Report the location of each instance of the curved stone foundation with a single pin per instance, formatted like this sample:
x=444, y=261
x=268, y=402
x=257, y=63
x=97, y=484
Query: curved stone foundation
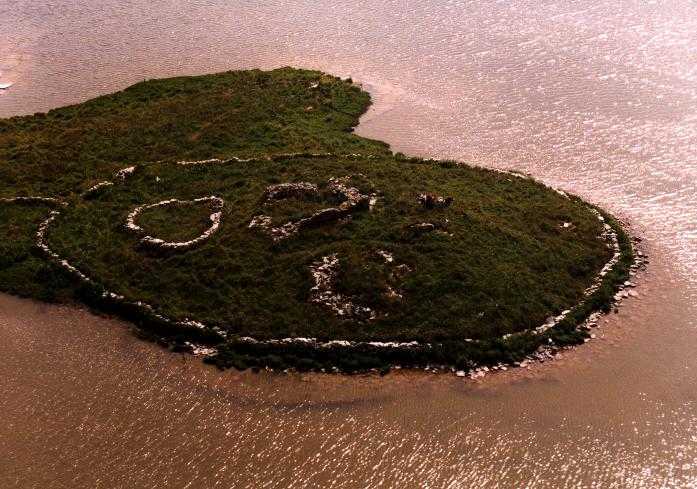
x=217, y=206
x=351, y=200
x=322, y=270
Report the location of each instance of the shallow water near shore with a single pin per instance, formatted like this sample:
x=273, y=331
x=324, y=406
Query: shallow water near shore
x=598, y=98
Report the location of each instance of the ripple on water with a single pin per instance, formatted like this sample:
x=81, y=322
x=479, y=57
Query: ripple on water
x=597, y=97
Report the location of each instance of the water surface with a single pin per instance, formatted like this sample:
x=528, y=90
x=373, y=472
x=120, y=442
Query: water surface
x=596, y=97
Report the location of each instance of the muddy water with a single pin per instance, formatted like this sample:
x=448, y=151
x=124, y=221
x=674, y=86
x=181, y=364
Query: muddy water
x=596, y=97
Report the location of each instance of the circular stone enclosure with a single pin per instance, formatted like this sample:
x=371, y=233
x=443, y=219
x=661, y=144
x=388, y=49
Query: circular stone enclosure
x=171, y=222
x=503, y=256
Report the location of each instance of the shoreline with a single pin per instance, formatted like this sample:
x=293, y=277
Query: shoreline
x=567, y=328
x=147, y=320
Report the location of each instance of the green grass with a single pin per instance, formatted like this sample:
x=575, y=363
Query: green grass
x=501, y=265
x=243, y=113
x=23, y=271
x=191, y=221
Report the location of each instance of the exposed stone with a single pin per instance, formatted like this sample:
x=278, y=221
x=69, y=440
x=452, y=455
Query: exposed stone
x=423, y=227
x=350, y=198
x=125, y=172
x=385, y=255
x=432, y=201
x=300, y=190
x=216, y=204
x=541, y=354
x=94, y=189
x=324, y=273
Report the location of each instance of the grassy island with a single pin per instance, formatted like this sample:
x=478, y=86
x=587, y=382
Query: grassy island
x=236, y=215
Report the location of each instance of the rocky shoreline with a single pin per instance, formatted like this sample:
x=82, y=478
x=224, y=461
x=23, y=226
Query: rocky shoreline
x=547, y=353
x=353, y=199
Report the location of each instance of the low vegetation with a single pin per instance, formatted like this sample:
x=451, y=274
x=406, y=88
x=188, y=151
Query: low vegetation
x=468, y=280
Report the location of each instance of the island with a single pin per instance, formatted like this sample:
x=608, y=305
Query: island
x=237, y=216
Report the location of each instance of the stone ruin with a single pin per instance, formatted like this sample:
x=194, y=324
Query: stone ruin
x=216, y=204
x=430, y=200
x=351, y=199
x=282, y=191
x=325, y=273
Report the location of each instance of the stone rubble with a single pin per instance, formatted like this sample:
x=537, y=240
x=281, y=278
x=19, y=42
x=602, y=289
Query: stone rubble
x=96, y=188
x=35, y=200
x=300, y=190
x=432, y=201
x=216, y=204
x=125, y=172
x=260, y=221
x=324, y=269
x=199, y=350
x=350, y=197
x=275, y=157
x=324, y=273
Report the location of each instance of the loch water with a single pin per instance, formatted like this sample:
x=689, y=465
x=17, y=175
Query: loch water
x=598, y=98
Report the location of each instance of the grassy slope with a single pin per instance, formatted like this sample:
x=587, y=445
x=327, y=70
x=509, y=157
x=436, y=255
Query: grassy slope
x=235, y=113
x=245, y=113
x=507, y=267
x=191, y=221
